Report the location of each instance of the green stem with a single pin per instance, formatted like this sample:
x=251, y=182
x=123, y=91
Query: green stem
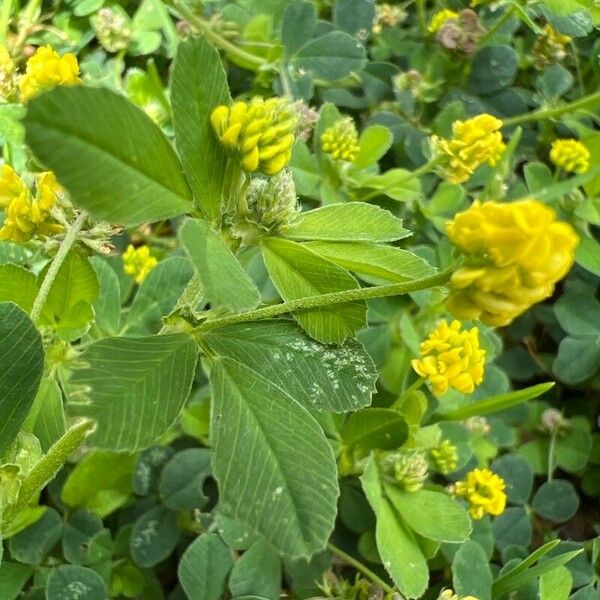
x=57, y=261
x=497, y=25
x=29, y=16
x=367, y=293
x=4, y=19
x=362, y=568
x=422, y=16
x=549, y=113
x=551, y=455
x=201, y=25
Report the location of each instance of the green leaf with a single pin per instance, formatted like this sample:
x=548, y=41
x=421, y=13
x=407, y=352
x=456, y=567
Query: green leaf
x=158, y=295
x=556, y=584
x=21, y=366
x=183, y=477
x=100, y=482
x=298, y=25
x=80, y=528
x=16, y=254
x=17, y=285
x=331, y=57
x=451, y=523
x=471, y=574
x=148, y=469
x=204, y=567
x=375, y=428
x=198, y=85
x=496, y=403
x=374, y=142
x=353, y=16
x=556, y=501
x=107, y=306
x=31, y=545
x=258, y=433
x=398, y=184
x=401, y=555
x=113, y=159
x=380, y=262
x=494, y=68
x=135, y=387
x=349, y=222
x=13, y=577
x=299, y=273
x=225, y=284
x=257, y=573
x=517, y=475
x=512, y=528
x=573, y=447
x=577, y=359
x=578, y=313
x=68, y=307
x=587, y=254
x=70, y=582
x=154, y=536
x=336, y=378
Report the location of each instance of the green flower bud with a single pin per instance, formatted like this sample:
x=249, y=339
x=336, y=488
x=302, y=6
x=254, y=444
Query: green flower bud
x=272, y=203
x=112, y=27
x=445, y=457
x=341, y=140
x=409, y=469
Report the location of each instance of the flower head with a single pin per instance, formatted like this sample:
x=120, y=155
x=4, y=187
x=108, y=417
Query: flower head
x=387, y=16
x=445, y=457
x=261, y=131
x=26, y=216
x=45, y=70
x=409, y=469
x=570, y=155
x=138, y=262
x=448, y=594
x=7, y=74
x=484, y=491
x=440, y=18
x=550, y=47
x=514, y=255
x=474, y=142
x=341, y=140
x=451, y=357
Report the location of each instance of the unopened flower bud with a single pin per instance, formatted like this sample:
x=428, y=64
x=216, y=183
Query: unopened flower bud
x=553, y=420
x=445, y=457
x=113, y=28
x=408, y=469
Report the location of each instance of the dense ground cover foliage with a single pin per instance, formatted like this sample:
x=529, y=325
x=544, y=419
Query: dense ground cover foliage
x=299, y=298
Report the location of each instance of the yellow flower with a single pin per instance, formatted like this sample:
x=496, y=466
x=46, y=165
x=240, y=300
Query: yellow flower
x=261, y=131
x=439, y=18
x=474, y=142
x=137, y=262
x=570, y=155
x=45, y=70
x=448, y=594
x=7, y=73
x=25, y=216
x=484, y=491
x=451, y=357
x=341, y=140
x=514, y=255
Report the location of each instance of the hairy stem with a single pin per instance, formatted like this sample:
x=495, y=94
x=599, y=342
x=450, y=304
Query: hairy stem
x=367, y=293
x=549, y=113
x=360, y=567
x=4, y=19
x=57, y=261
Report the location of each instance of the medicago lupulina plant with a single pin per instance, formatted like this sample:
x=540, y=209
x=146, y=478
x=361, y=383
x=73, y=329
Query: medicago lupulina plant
x=234, y=369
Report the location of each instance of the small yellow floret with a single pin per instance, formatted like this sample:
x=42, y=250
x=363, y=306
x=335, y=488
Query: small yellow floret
x=261, y=131
x=484, y=491
x=514, y=255
x=474, y=142
x=26, y=216
x=341, y=140
x=138, y=262
x=451, y=357
x=439, y=18
x=570, y=155
x=45, y=70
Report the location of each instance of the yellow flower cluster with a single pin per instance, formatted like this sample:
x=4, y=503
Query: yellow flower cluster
x=514, y=255
x=474, y=142
x=261, y=131
x=7, y=74
x=138, y=262
x=45, y=70
x=484, y=491
x=451, y=357
x=570, y=155
x=448, y=594
x=26, y=216
x=341, y=140
x=439, y=18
